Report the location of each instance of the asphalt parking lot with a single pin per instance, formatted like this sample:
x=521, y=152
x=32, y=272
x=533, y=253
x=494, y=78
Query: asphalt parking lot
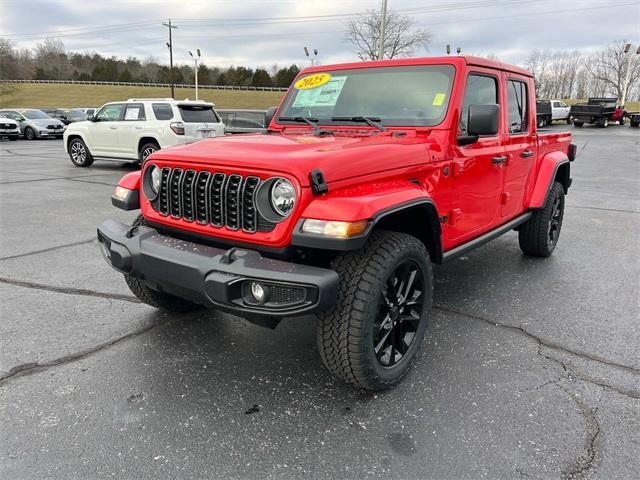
x=531, y=368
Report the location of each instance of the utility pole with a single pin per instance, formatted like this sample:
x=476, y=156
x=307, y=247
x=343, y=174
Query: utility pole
x=625, y=85
x=195, y=59
x=170, y=45
x=314, y=59
x=383, y=28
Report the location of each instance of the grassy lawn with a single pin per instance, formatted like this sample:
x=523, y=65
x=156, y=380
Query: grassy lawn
x=69, y=96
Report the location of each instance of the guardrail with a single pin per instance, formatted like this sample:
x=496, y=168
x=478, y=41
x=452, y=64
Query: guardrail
x=161, y=85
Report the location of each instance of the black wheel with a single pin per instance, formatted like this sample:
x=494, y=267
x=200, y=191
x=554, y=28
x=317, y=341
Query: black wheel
x=634, y=124
x=154, y=298
x=79, y=153
x=604, y=123
x=29, y=133
x=540, y=122
x=539, y=235
x=146, y=150
x=569, y=119
x=373, y=333
x=621, y=121
x=578, y=124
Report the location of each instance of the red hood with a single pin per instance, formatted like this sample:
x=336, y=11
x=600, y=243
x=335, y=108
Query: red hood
x=339, y=157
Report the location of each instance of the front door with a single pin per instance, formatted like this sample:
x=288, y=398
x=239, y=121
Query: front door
x=104, y=132
x=520, y=146
x=131, y=128
x=478, y=167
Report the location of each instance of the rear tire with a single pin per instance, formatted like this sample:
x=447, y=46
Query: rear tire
x=634, y=124
x=621, y=121
x=540, y=122
x=539, y=235
x=154, y=298
x=578, y=124
x=146, y=150
x=29, y=133
x=79, y=154
x=376, y=329
x=604, y=123
x=569, y=119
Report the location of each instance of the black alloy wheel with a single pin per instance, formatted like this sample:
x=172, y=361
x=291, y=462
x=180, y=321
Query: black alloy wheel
x=399, y=313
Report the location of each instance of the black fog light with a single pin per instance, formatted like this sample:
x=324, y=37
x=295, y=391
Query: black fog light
x=259, y=292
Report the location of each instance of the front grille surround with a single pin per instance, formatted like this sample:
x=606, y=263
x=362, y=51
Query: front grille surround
x=211, y=198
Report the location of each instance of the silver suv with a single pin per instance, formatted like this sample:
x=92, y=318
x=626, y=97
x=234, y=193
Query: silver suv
x=35, y=123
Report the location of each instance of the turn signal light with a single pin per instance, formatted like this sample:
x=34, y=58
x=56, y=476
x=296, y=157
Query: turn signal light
x=334, y=229
x=121, y=193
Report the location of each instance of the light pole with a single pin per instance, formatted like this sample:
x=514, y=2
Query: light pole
x=383, y=28
x=195, y=60
x=314, y=59
x=625, y=85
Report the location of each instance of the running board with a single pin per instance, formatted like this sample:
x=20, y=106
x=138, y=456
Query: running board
x=487, y=237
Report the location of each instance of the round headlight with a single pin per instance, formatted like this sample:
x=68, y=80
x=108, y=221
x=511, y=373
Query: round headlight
x=283, y=196
x=156, y=178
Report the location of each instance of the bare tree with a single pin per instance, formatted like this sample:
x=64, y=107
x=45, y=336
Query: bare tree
x=609, y=67
x=402, y=39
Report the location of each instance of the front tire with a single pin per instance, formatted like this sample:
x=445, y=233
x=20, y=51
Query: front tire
x=374, y=332
x=29, y=133
x=79, y=154
x=539, y=235
x=604, y=123
x=154, y=298
x=578, y=124
x=569, y=119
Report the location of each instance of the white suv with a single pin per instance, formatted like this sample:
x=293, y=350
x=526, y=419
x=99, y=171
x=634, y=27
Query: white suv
x=134, y=129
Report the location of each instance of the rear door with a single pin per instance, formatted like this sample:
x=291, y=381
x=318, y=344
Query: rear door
x=520, y=146
x=104, y=132
x=200, y=121
x=477, y=168
x=131, y=127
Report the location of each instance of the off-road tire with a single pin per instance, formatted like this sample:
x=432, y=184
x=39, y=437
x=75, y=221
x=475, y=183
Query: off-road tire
x=578, y=124
x=79, y=153
x=345, y=333
x=534, y=234
x=154, y=298
x=604, y=123
x=29, y=133
x=143, y=153
x=634, y=124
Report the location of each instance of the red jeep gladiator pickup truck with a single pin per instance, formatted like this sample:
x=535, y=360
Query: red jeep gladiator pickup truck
x=369, y=173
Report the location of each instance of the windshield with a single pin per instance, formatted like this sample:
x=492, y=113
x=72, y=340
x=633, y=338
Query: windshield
x=76, y=114
x=403, y=96
x=35, y=115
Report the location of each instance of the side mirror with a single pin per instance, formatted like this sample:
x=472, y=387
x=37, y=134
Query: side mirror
x=483, y=119
x=269, y=116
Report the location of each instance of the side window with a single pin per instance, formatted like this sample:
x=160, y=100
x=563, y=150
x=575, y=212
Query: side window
x=13, y=115
x=134, y=111
x=557, y=105
x=110, y=113
x=517, y=103
x=480, y=90
x=162, y=111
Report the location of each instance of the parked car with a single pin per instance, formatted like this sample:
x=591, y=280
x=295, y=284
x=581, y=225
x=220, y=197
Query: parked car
x=548, y=111
x=598, y=111
x=66, y=116
x=9, y=128
x=35, y=123
x=243, y=121
x=343, y=208
x=88, y=111
x=634, y=119
x=134, y=129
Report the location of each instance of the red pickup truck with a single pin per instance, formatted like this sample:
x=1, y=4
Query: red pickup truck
x=369, y=173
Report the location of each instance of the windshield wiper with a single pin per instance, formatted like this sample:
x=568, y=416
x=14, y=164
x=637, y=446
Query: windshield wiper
x=371, y=121
x=309, y=121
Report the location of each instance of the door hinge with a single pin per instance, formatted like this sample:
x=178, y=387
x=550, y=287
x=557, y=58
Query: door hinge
x=504, y=198
x=454, y=216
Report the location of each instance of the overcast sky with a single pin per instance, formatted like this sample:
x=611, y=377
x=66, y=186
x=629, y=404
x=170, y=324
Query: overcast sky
x=265, y=32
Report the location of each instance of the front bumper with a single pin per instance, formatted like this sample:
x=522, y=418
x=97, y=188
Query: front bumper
x=215, y=277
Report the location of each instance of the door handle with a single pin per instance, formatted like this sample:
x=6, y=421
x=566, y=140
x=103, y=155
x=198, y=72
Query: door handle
x=498, y=160
x=113, y=127
x=526, y=154
x=138, y=128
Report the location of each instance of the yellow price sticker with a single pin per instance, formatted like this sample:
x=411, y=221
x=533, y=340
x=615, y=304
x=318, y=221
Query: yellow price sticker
x=312, y=81
x=438, y=100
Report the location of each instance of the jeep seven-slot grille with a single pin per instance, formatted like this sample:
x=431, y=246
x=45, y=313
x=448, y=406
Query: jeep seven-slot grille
x=211, y=198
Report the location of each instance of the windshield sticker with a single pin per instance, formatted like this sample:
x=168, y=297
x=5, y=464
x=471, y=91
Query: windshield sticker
x=324, y=96
x=438, y=100
x=312, y=81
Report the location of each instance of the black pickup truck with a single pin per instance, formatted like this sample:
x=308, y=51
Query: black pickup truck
x=543, y=112
x=597, y=111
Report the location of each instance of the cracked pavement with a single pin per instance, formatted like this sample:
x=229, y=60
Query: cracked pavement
x=531, y=367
